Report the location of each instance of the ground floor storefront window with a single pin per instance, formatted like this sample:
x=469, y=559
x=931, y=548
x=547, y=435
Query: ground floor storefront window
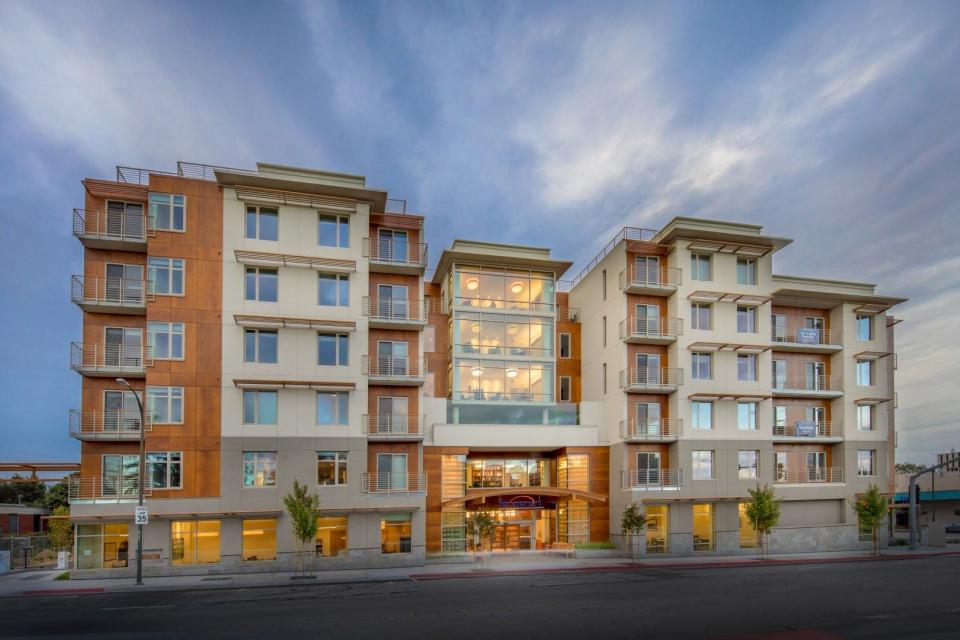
x=453, y=531
x=331, y=537
x=748, y=535
x=395, y=533
x=102, y=546
x=194, y=542
x=260, y=539
x=573, y=521
x=703, y=531
x=658, y=534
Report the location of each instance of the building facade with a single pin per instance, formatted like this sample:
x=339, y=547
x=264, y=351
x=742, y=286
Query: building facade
x=278, y=325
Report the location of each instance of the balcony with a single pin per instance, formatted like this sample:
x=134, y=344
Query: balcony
x=808, y=431
x=390, y=256
x=106, y=425
x=805, y=340
x=111, y=360
x=651, y=479
x=394, y=483
x=104, y=490
x=807, y=386
x=395, y=426
x=647, y=430
x=395, y=370
x=110, y=295
x=123, y=231
x=652, y=281
x=818, y=475
x=637, y=330
x=634, y=380
x=392, y=313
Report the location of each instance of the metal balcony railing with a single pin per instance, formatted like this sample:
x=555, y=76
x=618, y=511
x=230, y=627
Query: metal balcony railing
x=394, y=309
x=823, y=429
x=650, y=378
x=650, y=428
x=804, y=335
x=103, y=225
x=106, y=425
x=811, y=475
x=395, y=205
x=394, y=483
x=806, y=382
x=651, y=479
x=395, y=426
x=395, y=367
x=638, y=276
x=639, y=327
x=413, y=254
x=104, y=489
x=115, y=358
x=116, y=292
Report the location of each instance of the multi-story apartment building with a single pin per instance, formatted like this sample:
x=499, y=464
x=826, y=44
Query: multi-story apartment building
x=277, y=325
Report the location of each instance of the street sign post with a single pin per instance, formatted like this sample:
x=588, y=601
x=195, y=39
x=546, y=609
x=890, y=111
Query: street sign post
x=140, y=515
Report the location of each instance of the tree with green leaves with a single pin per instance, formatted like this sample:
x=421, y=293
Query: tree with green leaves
x=909, y=468
x=25, y=491
x=60, y=529
x=57, y=496
x=304, y=509
x=632, y=523
x=763, y=512
x=871, y=508
x=481, y=528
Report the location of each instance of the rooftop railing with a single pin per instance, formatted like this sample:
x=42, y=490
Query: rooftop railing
x=627, y=233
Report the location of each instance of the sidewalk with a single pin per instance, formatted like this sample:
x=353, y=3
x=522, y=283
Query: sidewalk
x=31, y=583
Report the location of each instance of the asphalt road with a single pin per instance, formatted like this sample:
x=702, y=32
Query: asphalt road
x=897, y=599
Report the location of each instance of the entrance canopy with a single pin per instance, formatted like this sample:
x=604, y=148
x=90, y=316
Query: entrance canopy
x=494, y=496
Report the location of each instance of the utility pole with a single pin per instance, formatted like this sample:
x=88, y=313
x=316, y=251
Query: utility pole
x=140, y=479
x=914, y=537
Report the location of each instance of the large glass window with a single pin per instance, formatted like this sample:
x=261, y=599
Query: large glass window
x=102, y=546
x=165, y=340
x=194, y=542
x=495, y=473
x=703, y=528
x=164, y=469
x=748, y=465
x=503, y=381
x=500, y=334
x=573, y=521
x=864, y=373
x=168, y=212
x=334, y=290
x=261, y=284
x=867, y=462
x=748, y=535
x=864, y=328
x=700, y=313
x=395, y=533
x=331, y=468
x=262, y=223
x=332, y=407
x=333, y=231
x=331, y=537
x=482, y=287
x=260, y=468
x=702, y=365
x=746, y=271
x=747, y=319
x=700, y=266
x=865, y=417
x=703, y=465
x=333, y=349
x=260, y=539
x=165, y=276
x=165, y=405
x=747, y=367
x=746, y=416
x=701, y=414
x=657, y=530
x=260, y=345
x=259, y=407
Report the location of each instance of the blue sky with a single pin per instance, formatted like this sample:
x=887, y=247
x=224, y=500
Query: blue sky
x=554, y=124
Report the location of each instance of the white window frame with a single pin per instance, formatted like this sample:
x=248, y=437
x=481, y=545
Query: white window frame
x=339, y=460
x=256, y=407
x=871, y=458
x=168, y=462
x=258, y=271
x=565, y=397
x=751, y=319
x=342, y=398
x=751, y=465
x=569, y=340
x=751, y=368
x=258, y=213
x=752, y=265
x=258, y=467
x=695, y=368
x=865, y=409
x=696, y=260
x=868, y=365
x=167, y=395
x=751, y=416
x=169, y=328
x=340, y=359
x=694, y=316
x=256, y=345
x=862, y=317
x=710, y=458
x=337, y=278
x=171, y=265
x=339, y=220
x=155, y=198
x=697, y=410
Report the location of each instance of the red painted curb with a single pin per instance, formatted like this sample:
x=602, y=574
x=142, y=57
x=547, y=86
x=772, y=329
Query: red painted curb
x=57, y=592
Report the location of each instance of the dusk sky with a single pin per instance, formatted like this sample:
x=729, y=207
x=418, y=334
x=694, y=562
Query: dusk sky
x=548, y=124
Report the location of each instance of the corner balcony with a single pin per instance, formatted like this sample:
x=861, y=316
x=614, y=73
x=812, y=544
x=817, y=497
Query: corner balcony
x=385, y=484
x=99, y=490
x=106, y=425
x=807, y=386
x=819, y=475
x=651, y=479
x=805, y=340
x=394, y=426
x=636, y=330
x=662, y=430
x=652, y=281
x=121, y=231
x=391, y=313
x=395, y=370
x=808, y=431
x=634, y=380
x=390, y=256
x=110, y=295
x=110, y=361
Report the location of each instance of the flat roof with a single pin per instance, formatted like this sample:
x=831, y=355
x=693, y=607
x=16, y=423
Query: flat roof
x=326, y=183
x=499, y=254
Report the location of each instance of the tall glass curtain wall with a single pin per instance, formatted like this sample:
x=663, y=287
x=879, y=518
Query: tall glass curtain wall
x=502, y=334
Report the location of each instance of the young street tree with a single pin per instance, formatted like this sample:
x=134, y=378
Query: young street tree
x=632, y=522
x=480, y=528
x=304, y=509
x=763, y=511
x=871, y=508
x=60, y=530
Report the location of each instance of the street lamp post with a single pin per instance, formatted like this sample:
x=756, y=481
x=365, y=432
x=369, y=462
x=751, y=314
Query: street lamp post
x=140, y=478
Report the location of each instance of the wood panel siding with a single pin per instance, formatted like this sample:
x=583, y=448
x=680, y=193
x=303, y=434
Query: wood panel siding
x=569, y=367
